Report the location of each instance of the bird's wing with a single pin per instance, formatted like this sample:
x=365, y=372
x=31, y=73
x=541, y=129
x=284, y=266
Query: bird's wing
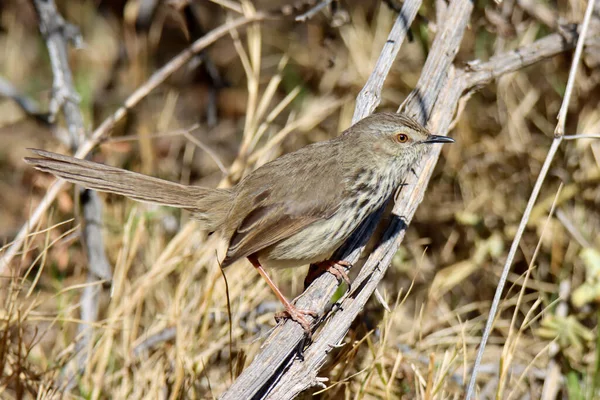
x=283, y=197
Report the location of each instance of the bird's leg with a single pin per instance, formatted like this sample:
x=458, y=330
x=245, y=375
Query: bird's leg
x=335, y=268
x=291, y=311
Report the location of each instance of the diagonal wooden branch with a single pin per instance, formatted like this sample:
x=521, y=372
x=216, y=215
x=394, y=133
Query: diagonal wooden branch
x=275, y=373
x=434, y=76
x=102, y=132
x=303, y=374
x=278, y=352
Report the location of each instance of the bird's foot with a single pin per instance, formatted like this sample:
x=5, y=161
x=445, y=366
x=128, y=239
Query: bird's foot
x=335, y=268
x=297, y=315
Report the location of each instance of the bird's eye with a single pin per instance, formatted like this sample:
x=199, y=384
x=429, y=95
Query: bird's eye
x=402, y=138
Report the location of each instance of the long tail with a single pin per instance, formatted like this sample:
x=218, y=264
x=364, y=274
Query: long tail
x=210, y=206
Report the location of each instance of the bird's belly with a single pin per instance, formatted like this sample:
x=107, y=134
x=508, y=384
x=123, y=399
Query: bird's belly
x=315, y=243
x=319, y=240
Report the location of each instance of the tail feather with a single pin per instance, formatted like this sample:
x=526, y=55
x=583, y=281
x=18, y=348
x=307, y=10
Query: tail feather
x=209, y=205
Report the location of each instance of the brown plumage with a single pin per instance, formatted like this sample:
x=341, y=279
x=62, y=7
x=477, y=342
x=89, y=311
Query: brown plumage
x=295, y=210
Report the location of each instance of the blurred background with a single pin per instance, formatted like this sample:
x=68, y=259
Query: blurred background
x=259, y=92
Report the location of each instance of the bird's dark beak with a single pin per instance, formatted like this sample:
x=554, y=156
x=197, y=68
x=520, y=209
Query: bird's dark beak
x=438, y=139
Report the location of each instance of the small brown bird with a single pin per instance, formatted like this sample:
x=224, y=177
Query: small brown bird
x=295, y=210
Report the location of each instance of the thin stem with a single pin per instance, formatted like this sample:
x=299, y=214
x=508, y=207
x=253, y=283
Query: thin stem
x=558, y=138
x=509, y=260
x=582, y=136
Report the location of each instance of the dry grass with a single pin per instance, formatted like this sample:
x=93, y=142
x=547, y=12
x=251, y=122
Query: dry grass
x=163, y=329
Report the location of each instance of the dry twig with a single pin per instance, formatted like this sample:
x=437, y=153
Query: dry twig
x=310, y=13
x=57, y=33
x=27, y=104
x=370, y=96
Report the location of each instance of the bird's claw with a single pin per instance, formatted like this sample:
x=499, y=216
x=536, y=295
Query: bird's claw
x=335, y=268
x=299, y=316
